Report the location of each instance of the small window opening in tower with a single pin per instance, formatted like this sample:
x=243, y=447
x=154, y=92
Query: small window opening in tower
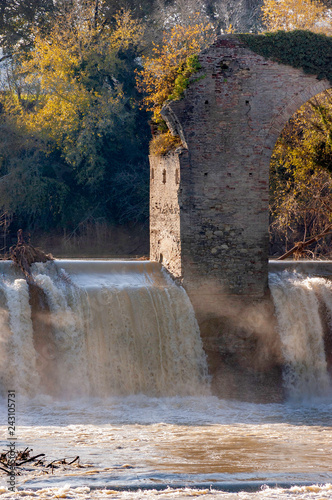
x=164, y=176
x=152, y=174
x=177, y=176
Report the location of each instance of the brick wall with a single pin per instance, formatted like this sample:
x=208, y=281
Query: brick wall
x=229, y=122
x=212, y=228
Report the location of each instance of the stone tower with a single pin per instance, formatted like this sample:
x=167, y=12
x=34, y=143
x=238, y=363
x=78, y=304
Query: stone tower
x=209, y=199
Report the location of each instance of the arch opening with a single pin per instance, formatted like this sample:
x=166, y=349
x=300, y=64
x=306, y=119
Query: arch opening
x=218, y=222
x=300, y=201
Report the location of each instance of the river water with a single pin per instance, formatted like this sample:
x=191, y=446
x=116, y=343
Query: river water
x=123, y=384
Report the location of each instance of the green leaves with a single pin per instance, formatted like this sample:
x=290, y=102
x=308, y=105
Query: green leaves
x=190, y=66
x=309, y=51
x=75, y=123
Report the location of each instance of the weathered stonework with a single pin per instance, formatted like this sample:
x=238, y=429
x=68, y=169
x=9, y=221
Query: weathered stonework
x=165, y=234
x=211, y=229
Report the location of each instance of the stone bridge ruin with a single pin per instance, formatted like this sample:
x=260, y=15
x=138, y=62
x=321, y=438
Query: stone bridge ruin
x=209, y=199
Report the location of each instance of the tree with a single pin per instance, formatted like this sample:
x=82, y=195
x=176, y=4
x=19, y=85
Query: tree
x=32, y=188
x=81, y=99
x=289, y=15
x=76, y=100
x=19, y=19
x=166, y=73
x=300, y=179
x=301, y=174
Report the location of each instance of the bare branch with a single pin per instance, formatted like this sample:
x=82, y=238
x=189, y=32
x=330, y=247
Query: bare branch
x=7, y=56
x=302, y=244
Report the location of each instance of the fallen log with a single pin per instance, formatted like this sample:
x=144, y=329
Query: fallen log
x=298, y=248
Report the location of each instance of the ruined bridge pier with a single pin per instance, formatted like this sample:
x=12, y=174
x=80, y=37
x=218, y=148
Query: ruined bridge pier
x=209, y=199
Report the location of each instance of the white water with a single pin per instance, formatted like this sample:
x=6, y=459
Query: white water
x=151, y=443
x=300, y=303
x=117, y=328
x=108, y=321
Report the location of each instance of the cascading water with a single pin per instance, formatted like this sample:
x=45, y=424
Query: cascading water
x=120, y=328
x=107, y=363
x=303, y=308
x=117, y=328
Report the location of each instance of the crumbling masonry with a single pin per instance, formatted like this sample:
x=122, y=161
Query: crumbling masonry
x=209, y=199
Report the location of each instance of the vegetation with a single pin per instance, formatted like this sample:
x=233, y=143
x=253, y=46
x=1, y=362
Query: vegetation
x=301, y=180
x=288, y=15
x=71, y=124
x=163, y=143
x=81, y=80
x=301, y=168
x=74, y=134
x=300, y=49
x=166, y=74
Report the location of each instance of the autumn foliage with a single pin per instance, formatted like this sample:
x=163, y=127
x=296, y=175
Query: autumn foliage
x=166, y=72
x=289, y=15
x=71, y=127
x=301, y=164
x=72, y=69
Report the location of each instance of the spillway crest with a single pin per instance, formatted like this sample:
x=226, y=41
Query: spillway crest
x=101, y=328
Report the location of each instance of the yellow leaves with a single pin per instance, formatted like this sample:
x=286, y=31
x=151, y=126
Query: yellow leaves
x=51, y=63
x=160, y=71
x=127, y=31
x=56, y=117
x=73, y=68
x=289, y=15
x=161, y=144
x=300, y=177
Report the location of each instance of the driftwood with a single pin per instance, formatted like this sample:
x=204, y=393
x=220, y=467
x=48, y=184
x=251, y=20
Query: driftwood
x=38, y=463
x=298, y=248
x=24, y=255
x=30, y=459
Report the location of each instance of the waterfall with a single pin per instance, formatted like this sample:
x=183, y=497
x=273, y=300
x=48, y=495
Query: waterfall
x=111, y=328
x=303, y=306
x=105, y=328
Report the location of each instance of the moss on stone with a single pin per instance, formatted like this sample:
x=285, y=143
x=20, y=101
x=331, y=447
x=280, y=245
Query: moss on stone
x=181, y=82
x=301, y=49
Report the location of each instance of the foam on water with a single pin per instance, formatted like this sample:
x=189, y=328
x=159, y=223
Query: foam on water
x=298, y=303
x=116, y=328
x=314, y=492
x=144, y=442
x=18, y=356
x=120, y=328
x=123, y=384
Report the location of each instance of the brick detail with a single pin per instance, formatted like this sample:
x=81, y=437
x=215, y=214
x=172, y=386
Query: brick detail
x=211, y=229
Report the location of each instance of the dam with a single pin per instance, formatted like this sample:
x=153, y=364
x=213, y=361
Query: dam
x=205, y=371
x=116, y=328
x=216, y=383
x=109, y=328
x=110, y=366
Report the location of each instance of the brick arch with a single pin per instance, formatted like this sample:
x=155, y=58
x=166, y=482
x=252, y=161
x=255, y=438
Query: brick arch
x=279, y=121
x=217, y=215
